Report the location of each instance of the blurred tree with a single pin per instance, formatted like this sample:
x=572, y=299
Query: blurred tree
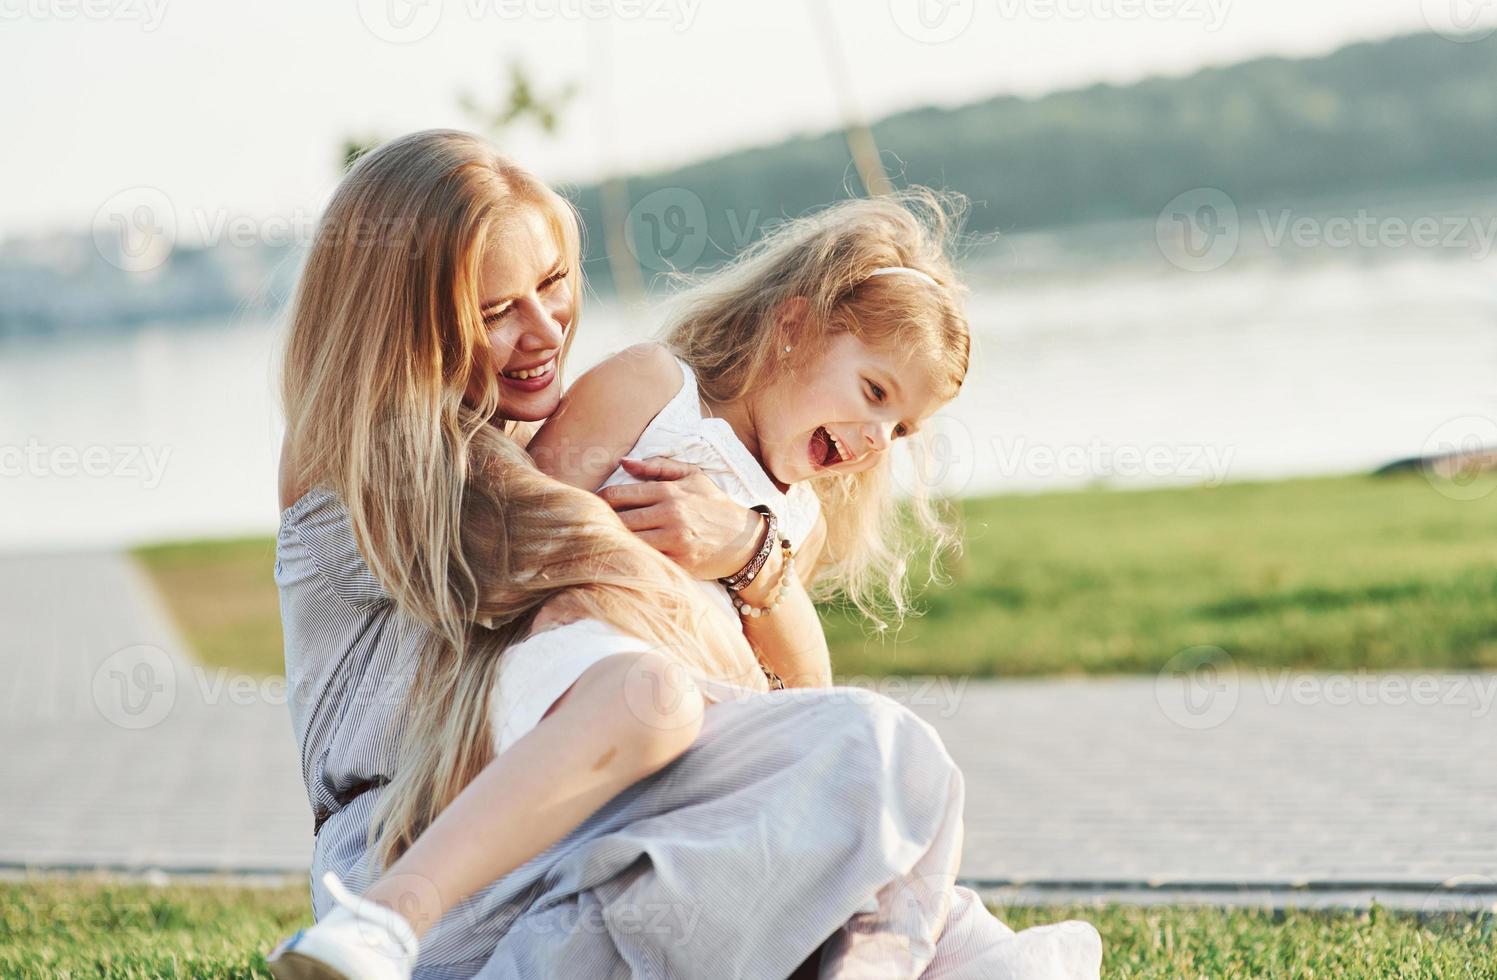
x=354, y=147
x=522, y=101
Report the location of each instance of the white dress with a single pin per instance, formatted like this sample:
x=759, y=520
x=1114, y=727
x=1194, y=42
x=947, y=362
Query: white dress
x=536, y=671
x=539, y=669
x=680, y=432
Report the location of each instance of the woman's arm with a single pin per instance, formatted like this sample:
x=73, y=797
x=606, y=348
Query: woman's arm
x=627, y=716
x=677, y=514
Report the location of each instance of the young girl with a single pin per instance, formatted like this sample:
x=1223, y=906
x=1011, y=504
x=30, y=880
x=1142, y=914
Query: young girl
x=786, y=381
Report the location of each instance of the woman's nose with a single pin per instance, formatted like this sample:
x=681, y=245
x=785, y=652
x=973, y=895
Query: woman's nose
x=539, y=329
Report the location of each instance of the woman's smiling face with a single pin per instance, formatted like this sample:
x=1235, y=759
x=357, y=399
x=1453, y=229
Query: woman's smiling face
x=841, y=412
x=528, y=302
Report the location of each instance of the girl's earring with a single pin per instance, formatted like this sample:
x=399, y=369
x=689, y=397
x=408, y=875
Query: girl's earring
x=787, y=348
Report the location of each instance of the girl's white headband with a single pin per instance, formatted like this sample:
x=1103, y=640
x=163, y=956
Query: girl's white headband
x=904, y=270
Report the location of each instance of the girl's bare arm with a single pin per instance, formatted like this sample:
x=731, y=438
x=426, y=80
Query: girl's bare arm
x=602, y=415
x=627, y=716
x=790, y=639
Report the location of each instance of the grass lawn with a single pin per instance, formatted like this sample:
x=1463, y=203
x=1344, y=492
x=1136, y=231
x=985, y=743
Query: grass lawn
x=1328, y=574
x=223, y=596
x=67, y=929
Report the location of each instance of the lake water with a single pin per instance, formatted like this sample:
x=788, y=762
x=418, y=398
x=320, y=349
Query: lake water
x=1098, y=360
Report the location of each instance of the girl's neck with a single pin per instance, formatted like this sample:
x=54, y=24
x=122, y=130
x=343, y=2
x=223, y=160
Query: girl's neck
x=740, y=419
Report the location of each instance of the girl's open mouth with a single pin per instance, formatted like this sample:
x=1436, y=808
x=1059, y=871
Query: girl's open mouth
x=532, y=378
x=825, y=450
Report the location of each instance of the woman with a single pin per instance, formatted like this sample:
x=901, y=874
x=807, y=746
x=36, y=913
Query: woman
x=437, y=305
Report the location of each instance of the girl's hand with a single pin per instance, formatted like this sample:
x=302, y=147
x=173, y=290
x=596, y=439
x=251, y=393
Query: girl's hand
x=683, y=515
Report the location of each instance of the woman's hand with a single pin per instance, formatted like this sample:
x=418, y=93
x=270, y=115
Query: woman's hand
x=682, y=514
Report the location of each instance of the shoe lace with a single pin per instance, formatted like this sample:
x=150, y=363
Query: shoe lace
x=391, y=922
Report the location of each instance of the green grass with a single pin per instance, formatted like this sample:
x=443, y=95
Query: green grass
x=72, y=929
x=223, y=596
x=1344, y=573
x=1325, y=574
x=67, y=929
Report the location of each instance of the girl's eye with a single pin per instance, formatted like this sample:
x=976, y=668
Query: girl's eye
x=876, y=392
x=901, y=430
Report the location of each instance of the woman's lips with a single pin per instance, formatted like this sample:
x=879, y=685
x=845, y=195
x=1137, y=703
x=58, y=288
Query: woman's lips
x=532, y=384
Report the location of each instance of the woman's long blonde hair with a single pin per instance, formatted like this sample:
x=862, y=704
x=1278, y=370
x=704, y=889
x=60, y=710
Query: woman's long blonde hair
x=386, y=350
x=529, y=538
x=728, y=327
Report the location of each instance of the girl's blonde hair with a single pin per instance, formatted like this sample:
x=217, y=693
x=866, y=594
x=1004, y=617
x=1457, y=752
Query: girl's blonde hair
x=730, y=329
x=390, y=403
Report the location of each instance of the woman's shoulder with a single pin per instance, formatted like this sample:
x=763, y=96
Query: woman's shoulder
x=316, y=548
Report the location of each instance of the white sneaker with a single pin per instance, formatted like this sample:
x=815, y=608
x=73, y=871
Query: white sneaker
x=357, y=940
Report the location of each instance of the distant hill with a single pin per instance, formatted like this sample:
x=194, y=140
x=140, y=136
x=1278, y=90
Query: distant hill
x=1413, y=111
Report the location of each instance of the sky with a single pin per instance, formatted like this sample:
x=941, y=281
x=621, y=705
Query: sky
x=238, y=110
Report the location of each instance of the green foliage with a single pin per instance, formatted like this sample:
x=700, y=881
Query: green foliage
x=521, y=101
x=1409, y=112
x=353, y=148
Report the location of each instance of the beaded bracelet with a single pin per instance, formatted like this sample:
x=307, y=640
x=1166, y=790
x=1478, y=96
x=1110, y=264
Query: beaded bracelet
x=787, y=576
x=745, y=576
x=775, y=683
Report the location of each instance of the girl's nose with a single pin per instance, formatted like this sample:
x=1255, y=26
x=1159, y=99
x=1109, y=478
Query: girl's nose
x=879, y=435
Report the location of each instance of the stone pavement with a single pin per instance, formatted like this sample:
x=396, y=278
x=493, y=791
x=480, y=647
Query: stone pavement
x=116, y=751
x=1226, y=787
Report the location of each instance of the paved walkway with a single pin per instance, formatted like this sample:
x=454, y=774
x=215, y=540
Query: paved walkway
x=116, y=750
x=1233, y=787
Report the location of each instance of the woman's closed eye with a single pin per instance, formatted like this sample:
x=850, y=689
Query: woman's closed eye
x=554, y=278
